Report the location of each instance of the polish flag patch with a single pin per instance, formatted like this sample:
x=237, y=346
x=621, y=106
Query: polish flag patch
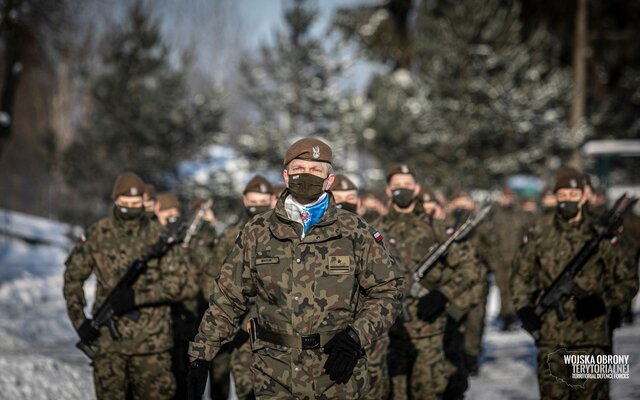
x=377, y=236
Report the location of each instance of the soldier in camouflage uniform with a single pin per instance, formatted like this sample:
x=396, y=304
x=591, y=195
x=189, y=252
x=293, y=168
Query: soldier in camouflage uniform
x=305, y=262
x=346, y=196
x=139, y=363
x=605, y=279
x=483, y=240
x=508, y=222
x=184, y=313
x=453, y=289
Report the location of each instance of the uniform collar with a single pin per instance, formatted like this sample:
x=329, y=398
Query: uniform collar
x=282, y=227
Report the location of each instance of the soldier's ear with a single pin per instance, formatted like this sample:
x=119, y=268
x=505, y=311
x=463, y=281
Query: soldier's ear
x=285, y=177
x=329, y=181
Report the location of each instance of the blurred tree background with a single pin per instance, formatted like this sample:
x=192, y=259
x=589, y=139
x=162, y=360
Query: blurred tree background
x=470, y=92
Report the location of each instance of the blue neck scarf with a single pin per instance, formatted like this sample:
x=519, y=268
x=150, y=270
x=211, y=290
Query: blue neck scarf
x=311, y=214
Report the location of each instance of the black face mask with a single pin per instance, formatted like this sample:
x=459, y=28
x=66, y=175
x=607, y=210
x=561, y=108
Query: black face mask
x=150, y=215
x=568, y=209
x=402, y=197
x=252, y=211
x=173, y=224
x=128, y=213
x=460, y=215
x=351, y=207
x=371, y=215
x=306, y=188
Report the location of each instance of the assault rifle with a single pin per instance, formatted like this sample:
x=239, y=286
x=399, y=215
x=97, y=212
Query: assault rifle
x=439, y=250
x=564, y=286
x=104, y=315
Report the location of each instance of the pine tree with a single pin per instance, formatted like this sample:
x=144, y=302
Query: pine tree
x=481, y=103
x=142, y=119
x=293, y=86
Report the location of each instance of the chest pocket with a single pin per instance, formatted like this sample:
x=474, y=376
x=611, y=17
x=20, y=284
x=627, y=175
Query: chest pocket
x=273, y=273
x=337, y=283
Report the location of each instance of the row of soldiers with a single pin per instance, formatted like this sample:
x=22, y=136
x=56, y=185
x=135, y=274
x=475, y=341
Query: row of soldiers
x=309, y=294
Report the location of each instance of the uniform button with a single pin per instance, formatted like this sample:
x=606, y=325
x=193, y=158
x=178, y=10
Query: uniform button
x=298, y=260
x=296, y=298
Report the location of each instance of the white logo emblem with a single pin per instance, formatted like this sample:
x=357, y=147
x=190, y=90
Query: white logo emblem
x=263, y=188
x=316, y=151
x=573, y=183
x=134, y=191
x=344, y=185
x=404, y=169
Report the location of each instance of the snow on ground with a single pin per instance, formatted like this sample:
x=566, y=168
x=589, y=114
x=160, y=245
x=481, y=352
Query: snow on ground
x=38, y=359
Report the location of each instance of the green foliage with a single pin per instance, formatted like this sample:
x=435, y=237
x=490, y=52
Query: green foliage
x=142, y=117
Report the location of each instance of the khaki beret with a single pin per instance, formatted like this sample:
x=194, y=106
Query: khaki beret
x=569, y=178
x=167, y=201
x=428, y=196
x=150, y=191
x=127, y=184
x=342, y=183
x=309, y=149
x=258, y=184
x=400, y=169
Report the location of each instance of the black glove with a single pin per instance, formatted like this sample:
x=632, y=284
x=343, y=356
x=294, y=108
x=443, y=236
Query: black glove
x=530, y=322
x=123, y=301
x=239, y=339
x=197, y=378
x=344, y=351
x=431, y=305
x=87, y=332
x=590, y=307
x=402, y=352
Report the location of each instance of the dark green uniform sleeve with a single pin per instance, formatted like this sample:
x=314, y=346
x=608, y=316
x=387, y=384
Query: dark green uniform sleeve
x=622, y=277
x=78, y=268
x=464, y=289
x=229, y=301
x=382, y=283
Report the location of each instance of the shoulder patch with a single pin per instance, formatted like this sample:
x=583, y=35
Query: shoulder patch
x=377, y=236
x=82, y=239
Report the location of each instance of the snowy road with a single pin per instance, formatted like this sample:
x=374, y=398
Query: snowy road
x=38, y=359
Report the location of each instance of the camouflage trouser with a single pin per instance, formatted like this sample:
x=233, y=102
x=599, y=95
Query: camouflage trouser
x=430, y=372
x=474, y=324
x=220, y=375
x=378, y=371
x=241, y=369
x=146, y=376
x=555, y=380
x=283, y=373
x=502, y=275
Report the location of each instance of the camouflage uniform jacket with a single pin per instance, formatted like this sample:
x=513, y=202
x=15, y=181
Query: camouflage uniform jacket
x=303, y=286
x=110, y=246
x=411, y=235
x=201, y=247
x=508, y=224
x=549, y=246
x=223, y=247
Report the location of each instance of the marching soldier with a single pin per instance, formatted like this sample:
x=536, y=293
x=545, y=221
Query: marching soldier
x=483, y=241
x=451, y=286
x=139, y=363
x=346, y=196
x=605, y=282
x=507, y=223
x=305, y=262
x=184, y=313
